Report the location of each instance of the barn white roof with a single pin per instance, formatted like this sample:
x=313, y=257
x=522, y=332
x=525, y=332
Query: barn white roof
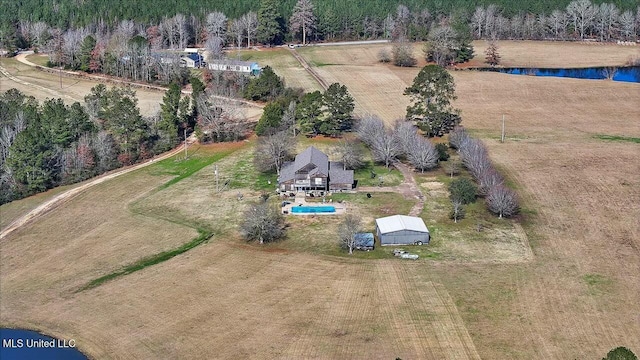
x=394, y=223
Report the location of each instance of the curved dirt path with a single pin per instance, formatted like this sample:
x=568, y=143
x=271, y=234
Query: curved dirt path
x=69, y=194
x=6, y=73
x=408, y=188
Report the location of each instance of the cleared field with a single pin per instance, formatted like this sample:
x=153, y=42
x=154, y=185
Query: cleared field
x=576, y=299
x=242, y=300
x=15, y=209
x=377, y=88
x=581, y=193
x=285, y=65
x=556, y=54
x=72, y=89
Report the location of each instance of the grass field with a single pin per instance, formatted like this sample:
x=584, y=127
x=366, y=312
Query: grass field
x=567, y=154
x=285, y=65
x=73, y=89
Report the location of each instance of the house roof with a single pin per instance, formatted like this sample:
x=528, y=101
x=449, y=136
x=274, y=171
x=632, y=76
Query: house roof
x=233, y=62
x=338, y=175
x=395, y=223
x=287, y=172
x=311, y=155
x=195, y=57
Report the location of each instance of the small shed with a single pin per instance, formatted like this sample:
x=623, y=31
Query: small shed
x=364, y=241
x=402, y=230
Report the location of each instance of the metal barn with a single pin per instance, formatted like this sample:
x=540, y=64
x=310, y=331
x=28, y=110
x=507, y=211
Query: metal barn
x=402, y=230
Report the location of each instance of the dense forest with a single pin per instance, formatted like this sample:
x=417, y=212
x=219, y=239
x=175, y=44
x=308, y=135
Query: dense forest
x=167, y=24
x=74, y=13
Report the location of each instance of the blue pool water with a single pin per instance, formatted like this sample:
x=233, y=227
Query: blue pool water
x=28, y=345
x=626, y=74
x=312, y=209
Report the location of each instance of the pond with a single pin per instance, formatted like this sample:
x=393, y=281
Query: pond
x=27, y=345
x=624, y=73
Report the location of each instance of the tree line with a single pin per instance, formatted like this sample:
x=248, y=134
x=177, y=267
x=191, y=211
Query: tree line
x=243, y=23
x=43, y=145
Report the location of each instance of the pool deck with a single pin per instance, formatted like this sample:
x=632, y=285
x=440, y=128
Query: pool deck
x=341, y=208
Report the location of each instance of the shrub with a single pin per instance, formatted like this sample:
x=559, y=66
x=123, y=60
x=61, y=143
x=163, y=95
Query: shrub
x=443, y=155
x=384, y=56
x=463, y=190
x=620, y=353
x=403, y=55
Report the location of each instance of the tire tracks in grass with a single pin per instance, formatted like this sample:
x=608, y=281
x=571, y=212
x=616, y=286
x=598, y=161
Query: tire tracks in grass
x=204, y=231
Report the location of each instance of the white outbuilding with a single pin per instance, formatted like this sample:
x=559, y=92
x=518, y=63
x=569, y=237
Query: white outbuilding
x=402, y=230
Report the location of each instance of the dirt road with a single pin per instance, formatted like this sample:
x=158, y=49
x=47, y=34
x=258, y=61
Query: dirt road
x=71, y=193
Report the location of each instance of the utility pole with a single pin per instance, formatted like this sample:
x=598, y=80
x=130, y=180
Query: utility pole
x=185, y=144
x=502, y=136
x=216, y=173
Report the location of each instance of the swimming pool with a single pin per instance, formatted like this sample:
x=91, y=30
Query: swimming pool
x=312, y=209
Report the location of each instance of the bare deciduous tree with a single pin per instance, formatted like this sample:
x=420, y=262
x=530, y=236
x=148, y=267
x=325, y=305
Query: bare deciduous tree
x=627, y=24
x=347, y=230
x=181, y=29
x=214, y=46
x=104, y=148
x=453, y=167
x=273, y=150
x=263, y=223
x=303, y=18
x=368, y=128
x=489, y=180
x=8, y=133
x=422, y=154
x=349, y=154
x=385, y=148
x=403, y=54
x=457, y=136
x=478, y=21
x=250, y=22
x=582, y=14
x=457, y=210
x=384, y=56
x=216, y=24
x=236, y=30
x=405, y=132
x=384, y=145
x=221, y=118
x=502, y=201
x=39, y=33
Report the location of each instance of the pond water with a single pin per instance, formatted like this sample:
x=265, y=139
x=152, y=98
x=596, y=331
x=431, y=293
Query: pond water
x=27, y=345
x=625, y=74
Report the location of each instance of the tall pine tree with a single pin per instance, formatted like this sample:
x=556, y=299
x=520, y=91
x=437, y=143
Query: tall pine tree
x=269, y=23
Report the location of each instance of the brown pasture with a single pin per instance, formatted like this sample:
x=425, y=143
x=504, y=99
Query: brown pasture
x=577, y=298
x=73, y=89
x=238, y=299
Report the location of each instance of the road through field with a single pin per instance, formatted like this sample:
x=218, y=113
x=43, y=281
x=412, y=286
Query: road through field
x=55, y=93
x=69, y=194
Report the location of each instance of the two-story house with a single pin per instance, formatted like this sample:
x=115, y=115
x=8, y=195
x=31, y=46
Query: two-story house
x=312, y=171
